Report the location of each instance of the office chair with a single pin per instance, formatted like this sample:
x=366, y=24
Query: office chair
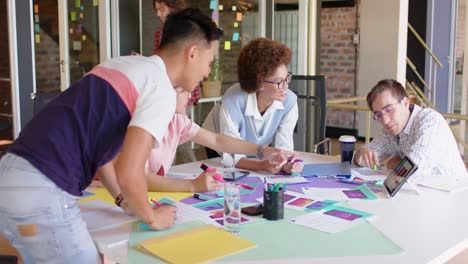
x=312, y=104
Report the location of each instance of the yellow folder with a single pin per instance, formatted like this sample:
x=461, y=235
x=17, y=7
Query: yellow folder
x=196, y=245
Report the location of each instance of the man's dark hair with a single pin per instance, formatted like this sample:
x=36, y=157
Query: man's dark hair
x=189, y=24
x=396, y=89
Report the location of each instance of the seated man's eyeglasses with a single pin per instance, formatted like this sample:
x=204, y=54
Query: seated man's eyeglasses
x=388, y=109
x=281, y=82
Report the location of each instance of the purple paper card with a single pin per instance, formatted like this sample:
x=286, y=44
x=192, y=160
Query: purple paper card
x=211, y=207
x=343, y=215
x=287, y=197
x=318, y=205
x=355, y=194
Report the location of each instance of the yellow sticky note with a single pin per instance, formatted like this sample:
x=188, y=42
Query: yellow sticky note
x=37, y=38
x=73, y=16
x=227, y=45
x=220, y=7
x=236, y=24
x=239, y=16
x=81, y=15
x=95, y=2
x=36, y=8
x=77, y=3
x=234, y=8
x=83, y=37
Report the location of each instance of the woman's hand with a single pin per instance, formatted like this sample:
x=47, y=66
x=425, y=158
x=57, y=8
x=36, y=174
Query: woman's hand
x=164, y=217
x=206, y=183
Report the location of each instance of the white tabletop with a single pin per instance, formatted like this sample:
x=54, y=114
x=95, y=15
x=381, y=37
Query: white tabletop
x=431, y=227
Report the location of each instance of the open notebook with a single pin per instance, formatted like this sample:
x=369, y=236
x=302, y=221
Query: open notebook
x=200, y=244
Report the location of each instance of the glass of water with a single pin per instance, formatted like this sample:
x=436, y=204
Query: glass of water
x=232, y=209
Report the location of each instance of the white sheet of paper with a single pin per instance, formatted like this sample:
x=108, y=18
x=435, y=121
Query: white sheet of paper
x=282, y=179
x=325, y=193
x=325, y=223
x=442, y=184
x=100, y=215
x=188, y=213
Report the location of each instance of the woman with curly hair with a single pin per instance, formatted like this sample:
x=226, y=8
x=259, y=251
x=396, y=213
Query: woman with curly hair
x=259, y=108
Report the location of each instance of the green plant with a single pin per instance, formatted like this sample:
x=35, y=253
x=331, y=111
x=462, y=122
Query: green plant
x=216, y=73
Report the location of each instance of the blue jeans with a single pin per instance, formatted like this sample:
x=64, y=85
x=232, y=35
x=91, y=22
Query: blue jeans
x=40, y=220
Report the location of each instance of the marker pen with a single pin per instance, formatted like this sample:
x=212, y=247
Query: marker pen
x=202, y=197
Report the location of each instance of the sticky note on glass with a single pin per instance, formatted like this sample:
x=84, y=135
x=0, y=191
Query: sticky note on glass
x=77, y=3
x=37, y=28
x=227, y=45
x=236, y=24
x=212, y=5
x=37, y=37
x=36, y=18
x=71, y=31
x=220, y=7
x=95, y=2
x=73, y=16
x=76, y=45
x=214, y=15
x=83, y=37
x=239, y=16
x=235, y=36
x=78, y=28
x=36, y=8
x=81, y=15
x=234, y=8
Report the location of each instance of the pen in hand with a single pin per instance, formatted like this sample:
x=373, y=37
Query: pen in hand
x=218, y=177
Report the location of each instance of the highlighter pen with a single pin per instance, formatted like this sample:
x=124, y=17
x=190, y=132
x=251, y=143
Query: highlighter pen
x=155, y=203
x=202, y=197
x=375, y=167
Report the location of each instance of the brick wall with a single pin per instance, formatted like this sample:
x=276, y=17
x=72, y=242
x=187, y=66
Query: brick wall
x=338, y=57
x=460, y=34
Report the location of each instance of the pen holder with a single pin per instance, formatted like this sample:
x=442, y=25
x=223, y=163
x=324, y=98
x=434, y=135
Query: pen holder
x=273, y=205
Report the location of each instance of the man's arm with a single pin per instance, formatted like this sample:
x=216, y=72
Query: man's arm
x=130, y=170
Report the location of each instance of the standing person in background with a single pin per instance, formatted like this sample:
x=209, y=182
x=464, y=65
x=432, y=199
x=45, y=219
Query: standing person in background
x=259, y=108
x=164, y=8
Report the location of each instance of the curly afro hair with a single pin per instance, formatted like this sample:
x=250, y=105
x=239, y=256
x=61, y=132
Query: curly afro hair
x=259, y=59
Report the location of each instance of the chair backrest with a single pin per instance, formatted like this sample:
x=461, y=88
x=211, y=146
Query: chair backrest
x=41, y=99
x=310, y=128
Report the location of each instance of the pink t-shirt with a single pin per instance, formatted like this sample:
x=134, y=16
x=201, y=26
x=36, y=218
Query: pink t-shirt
x=181, y=129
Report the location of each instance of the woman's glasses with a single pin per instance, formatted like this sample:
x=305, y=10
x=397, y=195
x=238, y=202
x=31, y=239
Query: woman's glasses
x=282, y=82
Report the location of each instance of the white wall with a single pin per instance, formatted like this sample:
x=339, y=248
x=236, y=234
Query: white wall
x=382, y=48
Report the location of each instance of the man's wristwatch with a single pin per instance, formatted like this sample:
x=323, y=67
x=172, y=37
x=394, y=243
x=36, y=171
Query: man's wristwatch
x=260, y=151
x=118, y=200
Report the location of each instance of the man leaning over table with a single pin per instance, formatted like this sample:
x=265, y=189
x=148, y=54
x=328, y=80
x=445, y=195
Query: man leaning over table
x=124, y=104
x=409, y=130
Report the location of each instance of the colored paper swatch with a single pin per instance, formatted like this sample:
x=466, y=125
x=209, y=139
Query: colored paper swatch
x=37, y=29
x=236, y=24
x=36, y=8
x=83, y=37
x=239, y=16
x=227, y=45
x=72, y=16
x=235, y=36
x=77, y=3
x=36, y=18
x=95, y=2
x=76, y=45
x=234, y=8
x=81, y=15
x=37, y=37
x=200, y=245
x=220, y=7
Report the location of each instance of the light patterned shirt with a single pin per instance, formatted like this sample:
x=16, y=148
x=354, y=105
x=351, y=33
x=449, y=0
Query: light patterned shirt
x=428, y=141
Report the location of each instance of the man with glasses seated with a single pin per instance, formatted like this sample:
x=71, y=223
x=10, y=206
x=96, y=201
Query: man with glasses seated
x=421, y=134
x=259, y=108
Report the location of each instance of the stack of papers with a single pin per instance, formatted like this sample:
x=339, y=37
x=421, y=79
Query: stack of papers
x=442, y=184
x=200, y=244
